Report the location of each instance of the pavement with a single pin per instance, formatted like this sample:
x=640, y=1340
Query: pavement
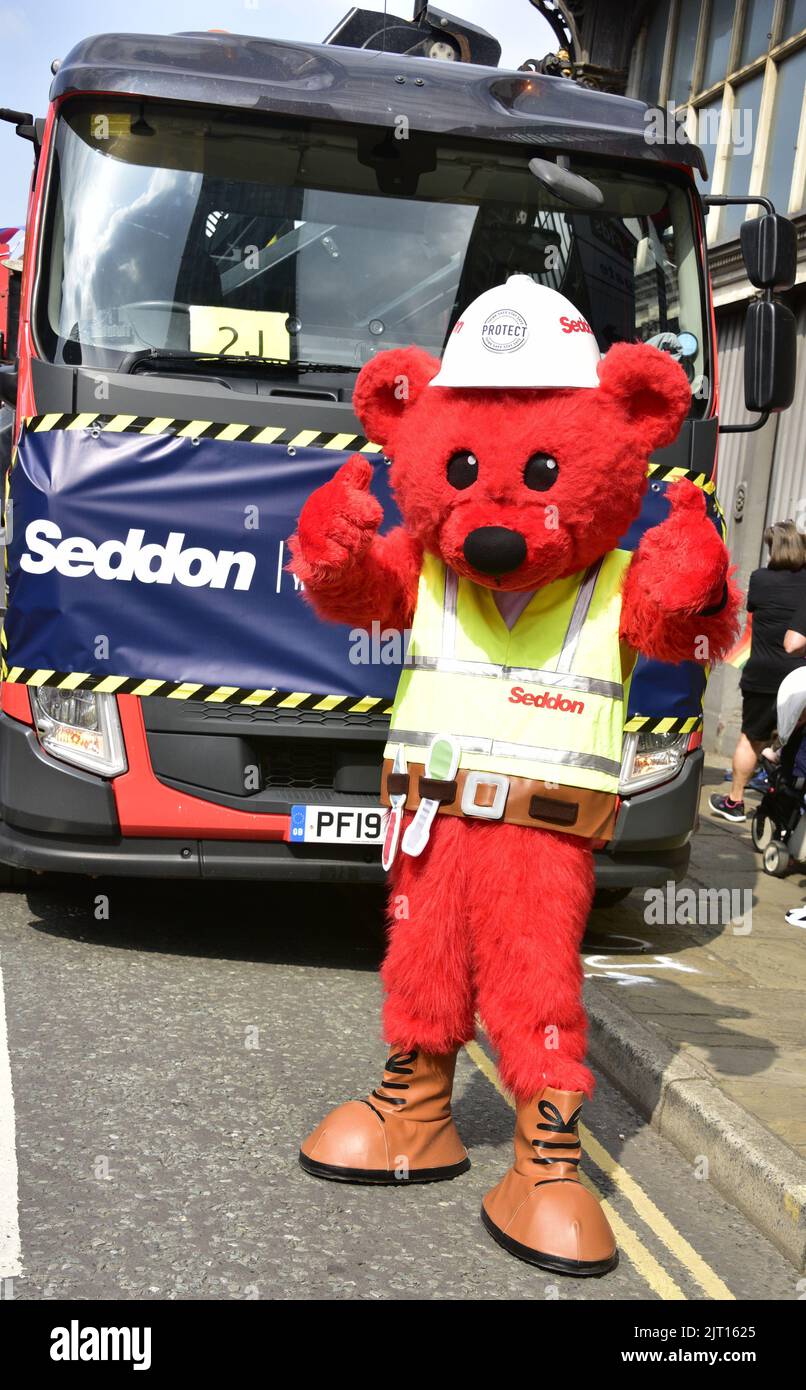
x=169, y=1044
x=697, y=1007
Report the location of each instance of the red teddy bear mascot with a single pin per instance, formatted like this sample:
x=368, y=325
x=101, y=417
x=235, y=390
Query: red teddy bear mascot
x=517, y=463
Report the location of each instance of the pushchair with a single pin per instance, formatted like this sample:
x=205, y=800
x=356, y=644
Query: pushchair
x=778, y=828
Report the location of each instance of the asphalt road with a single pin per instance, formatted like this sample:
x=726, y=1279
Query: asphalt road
x=167, y=1058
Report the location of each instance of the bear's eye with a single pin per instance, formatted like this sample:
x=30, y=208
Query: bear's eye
x=540, y=472
x=463, y=470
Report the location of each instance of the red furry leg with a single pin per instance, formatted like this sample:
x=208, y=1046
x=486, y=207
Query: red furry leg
x=530, y=895
x=427, y=972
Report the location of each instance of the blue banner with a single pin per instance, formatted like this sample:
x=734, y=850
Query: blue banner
x=161, y=557
x=158, y=557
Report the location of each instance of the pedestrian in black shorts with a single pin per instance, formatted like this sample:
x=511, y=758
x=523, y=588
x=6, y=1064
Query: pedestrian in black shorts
x=774, y=595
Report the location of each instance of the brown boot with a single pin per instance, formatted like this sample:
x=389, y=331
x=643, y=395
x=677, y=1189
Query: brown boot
x=403, y=1132
x=540, y=1211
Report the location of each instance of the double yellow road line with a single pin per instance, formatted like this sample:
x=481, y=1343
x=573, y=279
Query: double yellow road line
x=639, y=1255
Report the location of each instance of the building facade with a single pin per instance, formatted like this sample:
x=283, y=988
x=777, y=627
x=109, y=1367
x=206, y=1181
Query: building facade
x=734, y=73
x=735, y=70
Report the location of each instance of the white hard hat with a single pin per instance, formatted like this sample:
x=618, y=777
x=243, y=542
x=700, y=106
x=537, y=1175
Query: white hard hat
x=520, y=334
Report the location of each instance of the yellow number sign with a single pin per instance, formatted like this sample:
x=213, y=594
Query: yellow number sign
x=239, y=332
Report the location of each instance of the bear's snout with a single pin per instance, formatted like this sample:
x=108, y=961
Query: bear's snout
x=494, y=549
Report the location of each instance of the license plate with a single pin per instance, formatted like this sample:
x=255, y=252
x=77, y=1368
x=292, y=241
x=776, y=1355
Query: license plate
x=344, y=825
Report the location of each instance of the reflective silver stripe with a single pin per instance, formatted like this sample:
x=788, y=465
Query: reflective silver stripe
x=449, y=604
x=523, y=752
x=410, y=738
x=569, y=681
x=579, y=614
x=452, y=665
x=594, y=761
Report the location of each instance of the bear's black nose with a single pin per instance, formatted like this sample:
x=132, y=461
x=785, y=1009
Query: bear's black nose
x=494, y=549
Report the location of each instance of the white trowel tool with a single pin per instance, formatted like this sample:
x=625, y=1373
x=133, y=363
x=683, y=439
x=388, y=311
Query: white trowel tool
x=395, y=818
x=441, y=765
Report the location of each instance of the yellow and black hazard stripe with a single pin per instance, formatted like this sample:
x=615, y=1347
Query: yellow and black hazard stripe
x=663, y=724
x=274, y=698
x=661, y=473
x=202, y=429
x=269, y=434
x=192, y=690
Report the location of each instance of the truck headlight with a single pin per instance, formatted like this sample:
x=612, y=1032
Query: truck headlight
x=81, y=728
x=648, y=759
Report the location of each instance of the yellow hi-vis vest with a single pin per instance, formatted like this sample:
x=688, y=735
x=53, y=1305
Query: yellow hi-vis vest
x=543, y=700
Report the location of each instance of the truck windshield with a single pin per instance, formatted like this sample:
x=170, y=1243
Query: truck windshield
x=189, y=230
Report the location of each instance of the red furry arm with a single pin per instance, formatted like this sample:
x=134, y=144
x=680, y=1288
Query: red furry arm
x=680, y=602
x=351, y=574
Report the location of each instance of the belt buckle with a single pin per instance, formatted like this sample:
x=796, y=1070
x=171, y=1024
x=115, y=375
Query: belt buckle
x=473, y=781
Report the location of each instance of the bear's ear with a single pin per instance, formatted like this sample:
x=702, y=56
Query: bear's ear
x=651, y=390
x=386, y=387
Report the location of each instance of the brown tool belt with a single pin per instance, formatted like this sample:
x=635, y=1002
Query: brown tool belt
x=575, y=810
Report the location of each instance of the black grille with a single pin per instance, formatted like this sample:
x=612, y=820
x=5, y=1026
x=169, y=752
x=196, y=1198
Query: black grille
x=265, y=760
x=196, y=716
x=298, y=763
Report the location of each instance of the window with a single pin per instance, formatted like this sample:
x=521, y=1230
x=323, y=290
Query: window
x=275, y=240
x=707, y=136
x=742, y=137
x=717, y=51
x=710, y=43
x=783, y=136
x=757, y=25
x=685, y=44
x=794, y=18
x=649, y=86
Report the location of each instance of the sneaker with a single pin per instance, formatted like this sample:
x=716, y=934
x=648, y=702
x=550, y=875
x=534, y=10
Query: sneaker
x=796, y=917
x=759, y=782
x=727, y=809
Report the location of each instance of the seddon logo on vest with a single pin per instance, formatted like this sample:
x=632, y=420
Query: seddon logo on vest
x=545, y=700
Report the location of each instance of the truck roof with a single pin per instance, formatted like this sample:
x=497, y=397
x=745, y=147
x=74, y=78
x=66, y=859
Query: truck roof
x=362, y=86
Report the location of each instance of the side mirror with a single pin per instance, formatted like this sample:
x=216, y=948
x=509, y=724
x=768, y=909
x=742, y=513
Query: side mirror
x=770, y=355
x=770, y=251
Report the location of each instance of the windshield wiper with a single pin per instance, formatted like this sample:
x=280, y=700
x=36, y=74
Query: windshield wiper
x=151, y=356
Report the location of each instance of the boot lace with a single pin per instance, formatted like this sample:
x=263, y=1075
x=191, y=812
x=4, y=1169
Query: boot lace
x=555, y=1124
x=399, y=1064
